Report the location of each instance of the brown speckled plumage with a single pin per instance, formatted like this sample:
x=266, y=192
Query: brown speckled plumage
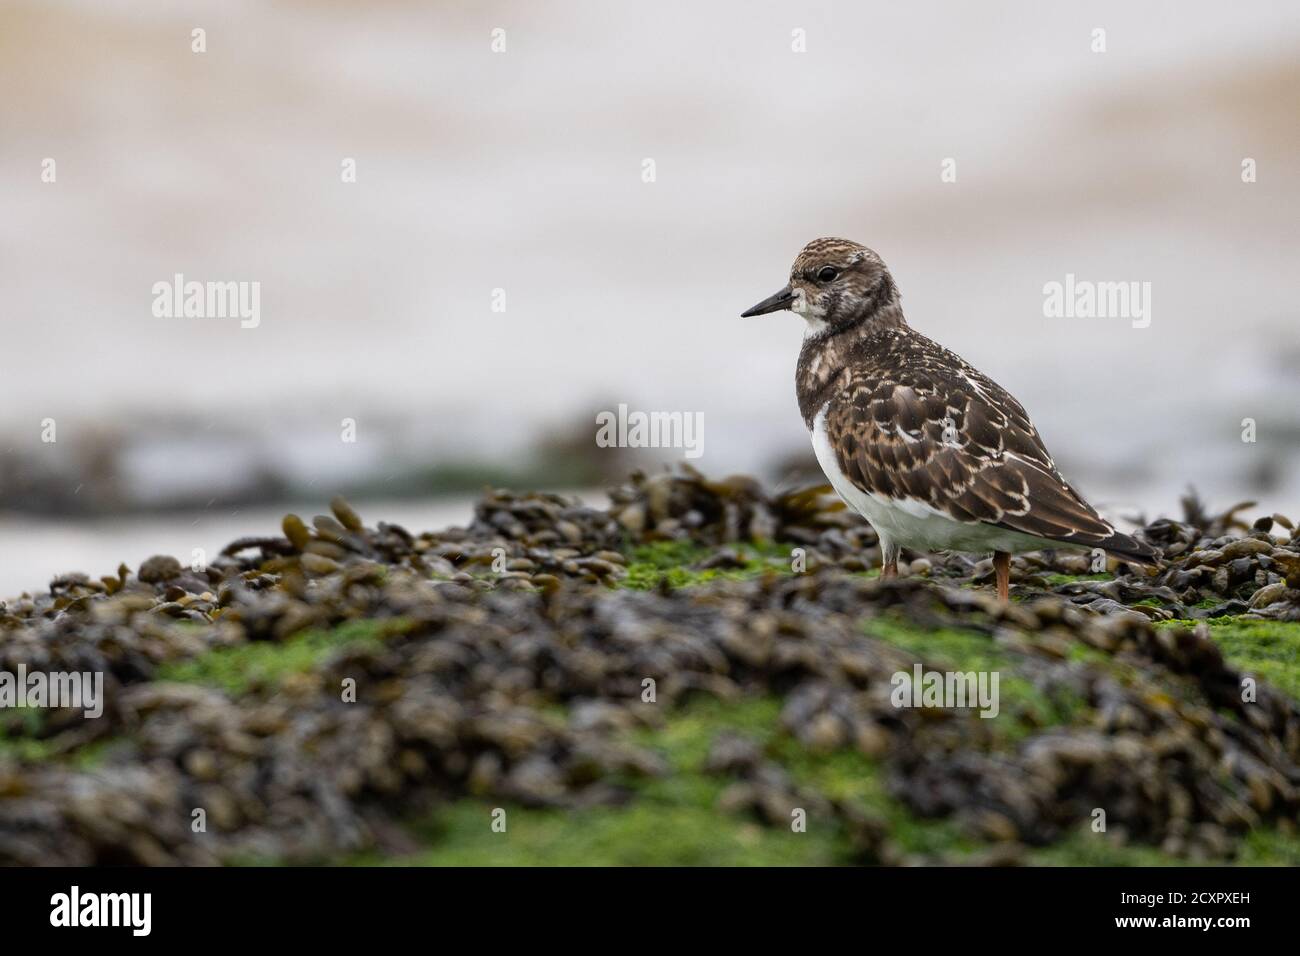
x=910, y=421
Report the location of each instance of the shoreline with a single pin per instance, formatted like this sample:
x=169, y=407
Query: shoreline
x=700, y=656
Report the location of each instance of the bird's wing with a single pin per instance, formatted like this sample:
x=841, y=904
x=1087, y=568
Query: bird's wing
x=938, y=431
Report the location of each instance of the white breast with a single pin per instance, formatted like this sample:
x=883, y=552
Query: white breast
x=909, y=522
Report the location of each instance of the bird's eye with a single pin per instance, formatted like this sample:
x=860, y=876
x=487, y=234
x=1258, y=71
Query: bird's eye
x=827, y=274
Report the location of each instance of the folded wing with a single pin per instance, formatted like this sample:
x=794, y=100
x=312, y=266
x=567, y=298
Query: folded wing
x=954, y=439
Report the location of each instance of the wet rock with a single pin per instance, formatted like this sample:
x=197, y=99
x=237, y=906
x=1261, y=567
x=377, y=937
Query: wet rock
x=159, y=568
x=518, y=668
x=733, y=754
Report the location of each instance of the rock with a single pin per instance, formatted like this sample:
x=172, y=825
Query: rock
x=159, y=568
x=1268, y=595
x=733, y=754
x=526, y=685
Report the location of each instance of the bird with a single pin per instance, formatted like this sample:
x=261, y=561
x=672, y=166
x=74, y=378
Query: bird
x=930, y=450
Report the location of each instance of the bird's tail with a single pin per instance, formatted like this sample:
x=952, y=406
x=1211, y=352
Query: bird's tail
x=1128, y=548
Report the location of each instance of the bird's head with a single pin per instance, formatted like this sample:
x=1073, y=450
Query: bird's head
x=834, y=283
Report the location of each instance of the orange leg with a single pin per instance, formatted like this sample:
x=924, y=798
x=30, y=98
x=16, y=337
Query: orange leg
x=1002, y=565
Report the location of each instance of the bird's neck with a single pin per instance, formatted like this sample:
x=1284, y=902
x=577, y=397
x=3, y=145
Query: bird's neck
x=829, y=353
x=882, y=308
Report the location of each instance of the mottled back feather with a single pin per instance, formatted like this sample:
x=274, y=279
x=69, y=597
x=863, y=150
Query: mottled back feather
x=909, y=419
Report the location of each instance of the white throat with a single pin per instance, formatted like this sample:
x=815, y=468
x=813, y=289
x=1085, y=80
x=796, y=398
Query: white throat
x=814, y=327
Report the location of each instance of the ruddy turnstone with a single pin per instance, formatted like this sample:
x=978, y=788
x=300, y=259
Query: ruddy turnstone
x=935, y=454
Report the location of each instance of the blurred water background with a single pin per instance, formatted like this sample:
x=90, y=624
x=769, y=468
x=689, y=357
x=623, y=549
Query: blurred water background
x=522, y=171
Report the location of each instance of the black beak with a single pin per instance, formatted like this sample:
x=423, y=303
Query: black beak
x=773, y=303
